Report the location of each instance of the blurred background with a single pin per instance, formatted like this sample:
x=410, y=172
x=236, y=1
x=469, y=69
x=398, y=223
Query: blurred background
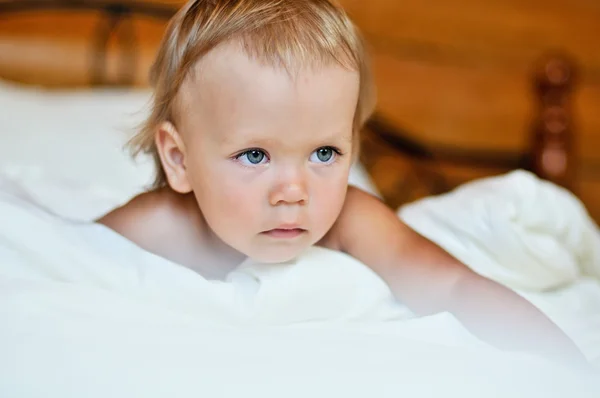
x=466, y=89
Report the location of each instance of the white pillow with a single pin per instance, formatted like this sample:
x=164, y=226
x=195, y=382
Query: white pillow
x=79, y=136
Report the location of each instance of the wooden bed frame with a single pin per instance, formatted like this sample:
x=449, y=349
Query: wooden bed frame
x=84, y=44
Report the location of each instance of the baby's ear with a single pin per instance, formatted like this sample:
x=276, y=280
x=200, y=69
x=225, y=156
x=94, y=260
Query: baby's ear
x=171, y=150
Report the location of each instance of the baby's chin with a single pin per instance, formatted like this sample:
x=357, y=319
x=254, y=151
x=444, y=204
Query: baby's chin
x=269, y=250
x=278, y=255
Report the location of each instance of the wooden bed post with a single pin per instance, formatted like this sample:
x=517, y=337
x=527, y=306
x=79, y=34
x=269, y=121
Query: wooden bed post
x=553, y=154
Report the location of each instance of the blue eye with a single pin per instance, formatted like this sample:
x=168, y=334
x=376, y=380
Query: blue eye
x=324, y=154
x=252, y=157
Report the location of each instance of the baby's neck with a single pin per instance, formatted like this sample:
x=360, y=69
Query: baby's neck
x=171, y=225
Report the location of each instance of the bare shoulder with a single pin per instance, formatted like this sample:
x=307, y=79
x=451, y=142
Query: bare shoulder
x=128, y=218
x=364, y=214
x=171, y=225
x=363, y=217
x=369, y=230
x=148, y=218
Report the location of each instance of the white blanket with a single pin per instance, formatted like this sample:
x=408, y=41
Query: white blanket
x=529, y=235
x=83, y=312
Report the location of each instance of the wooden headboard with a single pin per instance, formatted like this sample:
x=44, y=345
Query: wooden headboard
x=75, y=44
x=468, y=80
x=424, y=92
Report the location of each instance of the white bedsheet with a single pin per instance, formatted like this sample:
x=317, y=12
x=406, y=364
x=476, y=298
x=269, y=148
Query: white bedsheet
x=529, y=235
x=79, y=320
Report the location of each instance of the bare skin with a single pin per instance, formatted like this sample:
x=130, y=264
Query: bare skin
x=422, y=275
x=171, y=225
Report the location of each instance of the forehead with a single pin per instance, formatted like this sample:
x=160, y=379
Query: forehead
x=233, y=92
x=238, y=58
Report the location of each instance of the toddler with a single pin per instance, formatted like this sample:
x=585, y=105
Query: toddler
x=256, y=114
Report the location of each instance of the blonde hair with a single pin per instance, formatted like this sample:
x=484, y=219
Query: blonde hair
x=285, y=33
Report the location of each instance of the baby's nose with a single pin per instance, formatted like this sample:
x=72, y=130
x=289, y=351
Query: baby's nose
x=290, y=190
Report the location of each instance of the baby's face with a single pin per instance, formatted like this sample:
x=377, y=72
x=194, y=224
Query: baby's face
x=266, y=154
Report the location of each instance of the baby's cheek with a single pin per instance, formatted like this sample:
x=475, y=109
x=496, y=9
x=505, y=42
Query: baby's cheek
x=221, y=200
x=327, y=206
x=240, y=203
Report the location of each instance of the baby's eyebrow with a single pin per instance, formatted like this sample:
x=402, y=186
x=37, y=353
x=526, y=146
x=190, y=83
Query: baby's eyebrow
x=338, y=135
x=254, y=138
x=245, y=139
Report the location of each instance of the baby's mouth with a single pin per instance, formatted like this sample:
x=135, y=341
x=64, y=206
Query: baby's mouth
x=284, y=233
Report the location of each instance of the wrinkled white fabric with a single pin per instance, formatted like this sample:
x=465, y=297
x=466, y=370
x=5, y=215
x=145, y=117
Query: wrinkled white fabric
x=529, y=235
x=84, y=312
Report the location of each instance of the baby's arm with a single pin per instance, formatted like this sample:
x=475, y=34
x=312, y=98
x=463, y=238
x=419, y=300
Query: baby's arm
x=428, y=280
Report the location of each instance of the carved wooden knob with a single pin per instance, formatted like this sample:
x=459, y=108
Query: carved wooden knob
x=553, y=152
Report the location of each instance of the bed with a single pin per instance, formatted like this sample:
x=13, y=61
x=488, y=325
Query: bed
x=69, y=99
